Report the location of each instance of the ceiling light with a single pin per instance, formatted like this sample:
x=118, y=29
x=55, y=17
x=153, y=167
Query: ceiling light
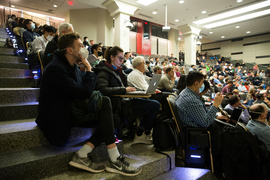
x=203, y=12
x=179, y=39
x=12, y=6
x=181, y=2
x=248, y=32
x=237, y=27
x=211, y=32
x=54, y=5
x=177, y=20
x=146, y=2
x=238, y=19
x=234, y=12
x=239, y=1
x=222, y=36
x=154, y=12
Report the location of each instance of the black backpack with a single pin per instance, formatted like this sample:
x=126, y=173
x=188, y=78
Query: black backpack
x=8, y=43
x=165, y=137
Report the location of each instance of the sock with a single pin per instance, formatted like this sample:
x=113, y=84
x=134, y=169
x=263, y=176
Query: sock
x=113, y=154
x=140, y=132
x=84, y=151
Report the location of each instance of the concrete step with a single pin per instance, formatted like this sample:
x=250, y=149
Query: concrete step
x=34, y=163
x=22, y=134
x=5, y=72
x=5, y=50
x=51, y=166
x=183, y=173
x=19, y=95
x=14, y=65
x=14, y=111
x=16, y=82
x=11, y=59
x=2, y=43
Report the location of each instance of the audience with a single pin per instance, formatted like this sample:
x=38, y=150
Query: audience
x=29, y=35
x=167, y=81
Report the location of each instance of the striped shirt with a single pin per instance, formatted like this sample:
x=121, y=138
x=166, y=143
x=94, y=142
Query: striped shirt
x=192, y=110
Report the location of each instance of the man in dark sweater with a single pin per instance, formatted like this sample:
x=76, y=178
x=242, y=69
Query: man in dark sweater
x=29, y=35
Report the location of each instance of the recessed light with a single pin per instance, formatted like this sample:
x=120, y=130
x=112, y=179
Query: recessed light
x=222, y=36
x=239, y=1
x=179, y=39
x=248, y=32
x=181, y=2
x=177, y=20
x=54, y=5
x=12, y=6
x=203, y=12
x=154, y=12
x=211, y=32
x=237, y=27
x=146, y=2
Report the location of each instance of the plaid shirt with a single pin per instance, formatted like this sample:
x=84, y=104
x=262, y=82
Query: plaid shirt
x=192, y=111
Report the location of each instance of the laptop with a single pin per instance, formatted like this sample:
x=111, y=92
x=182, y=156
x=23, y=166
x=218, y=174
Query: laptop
x=152, y=86
x=235, y=117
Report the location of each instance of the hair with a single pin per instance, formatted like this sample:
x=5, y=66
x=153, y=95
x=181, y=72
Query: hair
x=99, y=43
x=63, y=27
x=168, y=69
x=206, y=85
x=50, y=29
x=233, y=99
x=147, y=62
x=67, y=40
x=251, y=90
x=112, y=51
x=95, y=46
x=156, y=58
x=85, y=37
x=126, y=53
x=181, y=83
x=156, y=68
x=229, y=81
x=192, y=66
x=26, y=22
x=136, y=61
x=228, y=94
x=21, y=22
x=235, y=91
x=259, y=96
x=192, y=77
x=255, y=111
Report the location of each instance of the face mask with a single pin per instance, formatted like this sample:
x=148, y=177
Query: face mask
x=32, y=26
x=49, y=37
x=201, y=88
x=100, y=53
x=84, y=52
x=86, y=40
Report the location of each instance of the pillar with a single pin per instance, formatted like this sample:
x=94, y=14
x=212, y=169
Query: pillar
x=173, y=43
x=190, y=33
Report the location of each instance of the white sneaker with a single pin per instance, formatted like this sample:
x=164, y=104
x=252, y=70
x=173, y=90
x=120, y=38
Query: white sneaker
x=144, y=139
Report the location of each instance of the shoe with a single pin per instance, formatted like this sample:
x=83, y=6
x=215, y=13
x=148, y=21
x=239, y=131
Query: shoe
x=86, y=164
x=122, y=167
x=144, y=139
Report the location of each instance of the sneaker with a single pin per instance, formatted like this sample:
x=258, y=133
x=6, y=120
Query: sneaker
x=86, y=164
x=144, y=139
x=122, y=167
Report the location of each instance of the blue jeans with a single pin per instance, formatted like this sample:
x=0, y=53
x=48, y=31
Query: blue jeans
x=150, y=105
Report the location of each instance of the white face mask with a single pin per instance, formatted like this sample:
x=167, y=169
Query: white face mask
x=49, y=37
x=84, y=52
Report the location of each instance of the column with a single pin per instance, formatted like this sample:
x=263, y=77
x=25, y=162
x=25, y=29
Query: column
x=173, y=43
x=190, y=33
x=121, y=12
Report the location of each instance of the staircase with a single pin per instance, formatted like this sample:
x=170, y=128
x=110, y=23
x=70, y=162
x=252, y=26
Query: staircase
x=26, y=154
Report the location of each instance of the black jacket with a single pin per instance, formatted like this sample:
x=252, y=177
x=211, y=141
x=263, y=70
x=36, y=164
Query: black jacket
x=51, y=47
x=109, y=80
x=61, y=84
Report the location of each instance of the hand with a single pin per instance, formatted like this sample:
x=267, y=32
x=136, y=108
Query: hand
x=158, y=91
x=130, y=89
x=222, y=117
x=173, y=78
x=218, y=99
x=85, y=63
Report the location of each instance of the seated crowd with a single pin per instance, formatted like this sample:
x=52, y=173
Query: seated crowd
x=80, y=88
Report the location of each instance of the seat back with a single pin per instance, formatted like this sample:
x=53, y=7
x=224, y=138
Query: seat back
x=171, y=102
x=40, y=57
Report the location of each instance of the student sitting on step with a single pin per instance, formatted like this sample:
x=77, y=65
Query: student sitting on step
x=67, y=99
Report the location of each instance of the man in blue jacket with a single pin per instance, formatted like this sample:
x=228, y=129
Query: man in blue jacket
x=29, y=35
x=64, y=102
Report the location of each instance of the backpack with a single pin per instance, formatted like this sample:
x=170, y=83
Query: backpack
x=165, y=137
x=8, y=43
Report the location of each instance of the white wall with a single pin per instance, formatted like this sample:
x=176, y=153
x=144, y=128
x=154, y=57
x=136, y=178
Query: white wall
x=132, y=41
x=154, y=44
x=173, y=42
x=162, y=46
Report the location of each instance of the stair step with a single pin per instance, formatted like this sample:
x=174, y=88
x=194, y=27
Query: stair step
x=52, y=163
x=16, y=82
x=5, y=72
x=183, y=173
x=14, y=65
x=11, y=59
x=5, y=50
x=14, y=111
x=19, y=95
x=38, y=162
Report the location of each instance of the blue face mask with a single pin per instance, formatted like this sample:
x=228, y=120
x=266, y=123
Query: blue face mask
x=201, y=88
x=33, y=26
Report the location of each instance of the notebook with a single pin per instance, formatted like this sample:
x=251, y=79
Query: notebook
x=235, y=117
x=152, y=86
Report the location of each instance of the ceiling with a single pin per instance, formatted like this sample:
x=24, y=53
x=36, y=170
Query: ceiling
x=187, y=12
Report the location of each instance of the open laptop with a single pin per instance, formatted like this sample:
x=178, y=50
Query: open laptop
x=152, y=86
x=235, y=117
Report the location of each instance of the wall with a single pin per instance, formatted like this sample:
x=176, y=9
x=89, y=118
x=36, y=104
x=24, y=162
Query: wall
x=251, y=49
x=173, y=42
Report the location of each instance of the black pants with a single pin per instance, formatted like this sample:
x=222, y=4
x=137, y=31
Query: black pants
x=104, y=120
